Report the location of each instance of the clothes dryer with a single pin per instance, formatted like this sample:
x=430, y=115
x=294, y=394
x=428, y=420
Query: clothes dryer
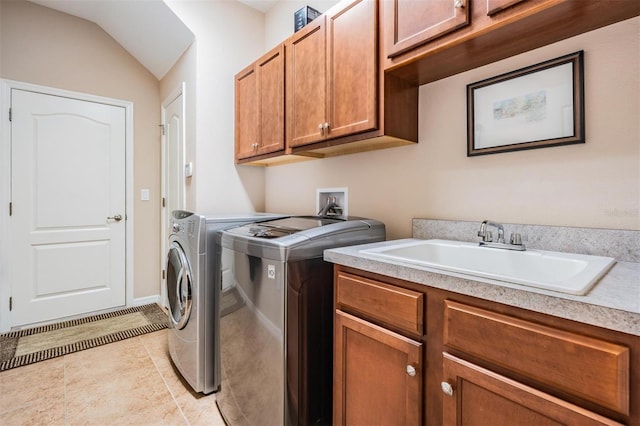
x=192, y=296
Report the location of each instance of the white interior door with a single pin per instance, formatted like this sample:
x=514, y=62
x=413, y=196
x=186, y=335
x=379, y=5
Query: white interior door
x=173, y=176
x=67, y=225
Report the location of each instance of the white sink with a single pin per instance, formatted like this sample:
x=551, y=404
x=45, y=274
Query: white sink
x=563, y=272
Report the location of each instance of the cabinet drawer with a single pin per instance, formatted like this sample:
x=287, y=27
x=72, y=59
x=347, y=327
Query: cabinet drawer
x=392, y=305
x=589, y=368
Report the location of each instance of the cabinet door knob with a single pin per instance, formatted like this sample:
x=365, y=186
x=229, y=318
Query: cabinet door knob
x=446, y=388
x=321, y=128
x=458, y=4
x=411, y=370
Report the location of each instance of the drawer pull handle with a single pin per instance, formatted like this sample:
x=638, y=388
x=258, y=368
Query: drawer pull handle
x=446, y=388
x=411, y=370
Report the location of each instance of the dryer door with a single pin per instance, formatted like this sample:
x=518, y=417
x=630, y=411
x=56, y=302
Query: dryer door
x=179, y=286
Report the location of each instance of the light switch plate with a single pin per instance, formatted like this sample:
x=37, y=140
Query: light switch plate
x=144, y=194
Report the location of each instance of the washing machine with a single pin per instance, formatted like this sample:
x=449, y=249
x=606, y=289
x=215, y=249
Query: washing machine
x=276, y=317
x=192, y=297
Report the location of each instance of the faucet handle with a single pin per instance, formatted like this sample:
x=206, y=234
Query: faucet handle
x=517, y=238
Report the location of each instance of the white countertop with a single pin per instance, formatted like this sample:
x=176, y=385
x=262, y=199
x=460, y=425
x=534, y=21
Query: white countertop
x=613, y=303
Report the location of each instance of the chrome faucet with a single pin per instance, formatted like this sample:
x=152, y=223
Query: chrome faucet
x=515, y=242
x=486, y=235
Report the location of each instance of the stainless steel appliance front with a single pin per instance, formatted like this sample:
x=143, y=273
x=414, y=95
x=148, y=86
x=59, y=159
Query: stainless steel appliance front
x=251, y=340
x=276, y=318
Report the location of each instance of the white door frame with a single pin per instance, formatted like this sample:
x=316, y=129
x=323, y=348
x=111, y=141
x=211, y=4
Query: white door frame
x=164, y=238
x=5, y=184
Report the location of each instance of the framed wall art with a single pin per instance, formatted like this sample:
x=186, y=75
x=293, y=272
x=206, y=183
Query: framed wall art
x=533, y=107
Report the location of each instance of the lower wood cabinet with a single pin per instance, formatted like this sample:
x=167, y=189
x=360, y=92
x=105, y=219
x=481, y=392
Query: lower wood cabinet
x=377, y=375
x=408, y=354
x=477, y=396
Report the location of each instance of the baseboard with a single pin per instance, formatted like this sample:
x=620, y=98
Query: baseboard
x=135, y=302
x=145, y=301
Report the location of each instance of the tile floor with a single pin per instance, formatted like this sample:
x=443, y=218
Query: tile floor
x=127, y=382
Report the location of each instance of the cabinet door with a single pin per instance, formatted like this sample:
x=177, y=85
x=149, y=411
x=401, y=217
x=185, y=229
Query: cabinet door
x=270, y=69
x=411, y=23
x=246, y=111
x=351, y=69
x=377, y=375
x=306, y=84
x=477, y=396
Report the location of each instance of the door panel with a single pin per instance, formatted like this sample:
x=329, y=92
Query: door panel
x=411, y=23
x=352, y=61
x=173, y=171
x=371, y=384
x=478, y=396
x=68, y=179
x=87, y=273
x=306, y=84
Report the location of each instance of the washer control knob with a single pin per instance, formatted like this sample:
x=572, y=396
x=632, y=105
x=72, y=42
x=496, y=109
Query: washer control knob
x=175, y=227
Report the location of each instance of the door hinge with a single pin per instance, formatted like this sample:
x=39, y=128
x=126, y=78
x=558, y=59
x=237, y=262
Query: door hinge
x=163, y=202
x=10, y=209
x=10, y=303
x=163, y=276
x=162, y=128
x=10, y=115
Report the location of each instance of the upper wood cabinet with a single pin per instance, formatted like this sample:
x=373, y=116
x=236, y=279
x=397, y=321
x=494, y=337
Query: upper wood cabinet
x=426, y=40
x=410, y=23
x=331, y=75
x=338, y=99
x=259, y=106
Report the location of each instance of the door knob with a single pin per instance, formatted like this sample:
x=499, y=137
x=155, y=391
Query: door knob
x=117, y=218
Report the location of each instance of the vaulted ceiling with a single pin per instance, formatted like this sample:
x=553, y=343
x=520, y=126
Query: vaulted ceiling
x=148, y=30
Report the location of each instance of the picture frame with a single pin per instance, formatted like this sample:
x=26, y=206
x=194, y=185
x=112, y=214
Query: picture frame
x=534, y=107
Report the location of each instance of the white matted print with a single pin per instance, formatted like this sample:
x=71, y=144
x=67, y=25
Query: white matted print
x=529, y=108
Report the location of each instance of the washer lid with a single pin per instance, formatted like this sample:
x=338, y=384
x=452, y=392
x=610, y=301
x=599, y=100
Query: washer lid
x=287, y=226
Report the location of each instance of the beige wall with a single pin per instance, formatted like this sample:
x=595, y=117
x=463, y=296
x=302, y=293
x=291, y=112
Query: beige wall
x=229, y=36
x=279, y=21
x=49, y=48
x=592, y=185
